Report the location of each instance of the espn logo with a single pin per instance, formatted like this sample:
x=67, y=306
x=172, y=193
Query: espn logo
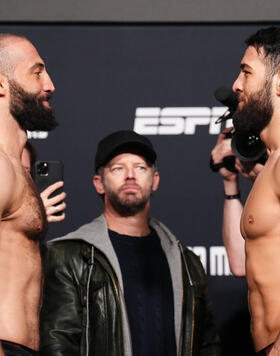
x=178, y=121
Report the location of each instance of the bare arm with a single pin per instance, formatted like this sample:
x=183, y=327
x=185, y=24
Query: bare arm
x=232, y=238
x=233, y=241
x=8, y=191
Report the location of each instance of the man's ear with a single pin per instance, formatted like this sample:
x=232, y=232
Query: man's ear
x=4, y=85
x=278, y=83
x=97, y=182
x=156, y=181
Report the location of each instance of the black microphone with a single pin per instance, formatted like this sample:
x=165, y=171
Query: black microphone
x=228, y=98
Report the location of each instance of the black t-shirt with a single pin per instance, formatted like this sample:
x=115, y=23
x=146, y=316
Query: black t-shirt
x=148, y=293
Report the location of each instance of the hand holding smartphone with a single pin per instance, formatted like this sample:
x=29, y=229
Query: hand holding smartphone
x=48, y=176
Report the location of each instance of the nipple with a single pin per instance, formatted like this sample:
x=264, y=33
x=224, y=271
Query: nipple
x=251, y=219
x=39, y=227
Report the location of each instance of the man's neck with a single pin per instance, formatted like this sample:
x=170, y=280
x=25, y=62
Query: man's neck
x=12, y=137
x=136, y=225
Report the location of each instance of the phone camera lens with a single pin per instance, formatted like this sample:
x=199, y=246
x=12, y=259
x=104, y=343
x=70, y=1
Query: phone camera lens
x=42, y=168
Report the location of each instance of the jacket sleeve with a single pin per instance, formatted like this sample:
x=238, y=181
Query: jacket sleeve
x=206, y=340
x=61, y=314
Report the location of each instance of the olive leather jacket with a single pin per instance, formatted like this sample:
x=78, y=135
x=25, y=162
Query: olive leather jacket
x=84, y=312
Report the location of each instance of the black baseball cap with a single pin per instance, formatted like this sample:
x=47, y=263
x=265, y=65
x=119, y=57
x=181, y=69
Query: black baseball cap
x=126, y=141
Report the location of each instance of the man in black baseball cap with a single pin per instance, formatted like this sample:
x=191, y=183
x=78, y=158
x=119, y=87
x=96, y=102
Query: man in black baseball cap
x=123, y=141
x=126, y=285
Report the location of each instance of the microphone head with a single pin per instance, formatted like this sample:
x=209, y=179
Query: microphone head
x=227, y=97
x=247, y=148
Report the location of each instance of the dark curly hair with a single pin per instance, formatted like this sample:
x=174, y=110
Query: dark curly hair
x=268, y=40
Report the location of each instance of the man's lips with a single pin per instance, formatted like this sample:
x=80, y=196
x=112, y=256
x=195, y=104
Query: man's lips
x=45, y=100
x=46, y=104
x=45, y=97
x=240, y=98
x=130, y=188
x=241, y=102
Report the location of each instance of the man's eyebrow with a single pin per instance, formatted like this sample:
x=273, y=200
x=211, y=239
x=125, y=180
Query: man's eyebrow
x=245, y=65
x=37, y=65
x=114, y=164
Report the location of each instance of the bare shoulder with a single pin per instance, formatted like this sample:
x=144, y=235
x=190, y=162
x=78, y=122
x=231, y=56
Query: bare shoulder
x=7, y=169
x=7, y=180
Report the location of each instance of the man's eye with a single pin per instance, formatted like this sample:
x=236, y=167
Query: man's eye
x=141, y=168
x=117, y=169
x=38, y=73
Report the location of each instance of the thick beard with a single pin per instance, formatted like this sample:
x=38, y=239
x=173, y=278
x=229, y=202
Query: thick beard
x=255, y=114
x=29, y=111
x=124, y=206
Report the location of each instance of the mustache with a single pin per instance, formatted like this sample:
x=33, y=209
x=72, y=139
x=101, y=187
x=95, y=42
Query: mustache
x=46, y=96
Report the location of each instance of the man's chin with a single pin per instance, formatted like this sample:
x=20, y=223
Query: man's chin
x=129, y=200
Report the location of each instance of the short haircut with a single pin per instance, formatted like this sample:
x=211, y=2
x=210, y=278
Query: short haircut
x=267, y=39
x=7, y=65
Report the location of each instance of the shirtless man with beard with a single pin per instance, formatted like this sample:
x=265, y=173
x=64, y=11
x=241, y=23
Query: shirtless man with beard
x=258, y=88
x=25, y=90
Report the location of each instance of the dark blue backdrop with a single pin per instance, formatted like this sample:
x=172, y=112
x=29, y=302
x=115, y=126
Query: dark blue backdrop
x=102, y=75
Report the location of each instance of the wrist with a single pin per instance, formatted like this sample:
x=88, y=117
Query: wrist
x=232, y=196
x=231, y=187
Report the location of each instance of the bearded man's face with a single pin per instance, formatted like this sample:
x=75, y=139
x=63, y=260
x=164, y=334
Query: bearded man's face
x=29, y=110
x=256, y=113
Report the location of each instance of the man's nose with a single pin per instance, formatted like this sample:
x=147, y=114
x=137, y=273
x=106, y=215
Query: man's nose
x=130, y=173
x=237, y=85
x=48, y=84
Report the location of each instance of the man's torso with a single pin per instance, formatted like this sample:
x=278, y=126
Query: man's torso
x=260, y=226
x=23, y=225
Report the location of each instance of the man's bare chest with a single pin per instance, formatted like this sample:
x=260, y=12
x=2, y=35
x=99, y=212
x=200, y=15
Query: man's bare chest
x=261, y=213
x=27, y=216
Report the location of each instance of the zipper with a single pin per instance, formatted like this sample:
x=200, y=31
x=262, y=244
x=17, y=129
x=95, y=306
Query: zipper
x=191, y=284
x=192, y=325
x=119, y=297
x=88, y=284
x=181, y=337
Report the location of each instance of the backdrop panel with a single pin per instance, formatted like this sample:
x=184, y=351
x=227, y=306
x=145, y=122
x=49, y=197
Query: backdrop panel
x=139, y=11
x=160, y=81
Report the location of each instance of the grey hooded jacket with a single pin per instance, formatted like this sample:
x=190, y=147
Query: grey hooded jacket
x=84, y=311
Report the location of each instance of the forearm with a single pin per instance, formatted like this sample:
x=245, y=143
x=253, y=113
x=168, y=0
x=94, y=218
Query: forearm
x=232, y=238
